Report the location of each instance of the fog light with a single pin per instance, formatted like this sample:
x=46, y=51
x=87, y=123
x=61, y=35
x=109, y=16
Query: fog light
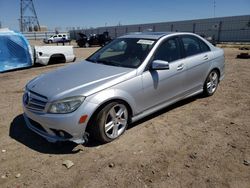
x=83, y=119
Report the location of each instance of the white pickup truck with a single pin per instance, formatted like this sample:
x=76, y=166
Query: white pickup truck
x=46, y=54
x=16, y=52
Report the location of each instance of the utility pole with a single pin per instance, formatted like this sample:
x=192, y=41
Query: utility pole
x=28, y=16
x=214, y=7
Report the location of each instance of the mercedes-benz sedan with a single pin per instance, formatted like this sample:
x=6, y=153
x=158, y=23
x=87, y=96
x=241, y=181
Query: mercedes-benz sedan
x=126, y=80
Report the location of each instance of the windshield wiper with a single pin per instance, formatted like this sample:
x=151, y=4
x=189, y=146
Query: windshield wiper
x=91, y=60
x=100, y=61
x=108, y=63
x=104, y=62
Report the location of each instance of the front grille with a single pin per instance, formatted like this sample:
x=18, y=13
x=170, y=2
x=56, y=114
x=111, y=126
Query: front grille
x=34, y=101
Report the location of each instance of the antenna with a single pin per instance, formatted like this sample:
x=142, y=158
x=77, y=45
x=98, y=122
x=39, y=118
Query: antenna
x=28, y=19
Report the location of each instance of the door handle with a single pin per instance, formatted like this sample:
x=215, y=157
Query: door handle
x=180, y=67
x=205, y=57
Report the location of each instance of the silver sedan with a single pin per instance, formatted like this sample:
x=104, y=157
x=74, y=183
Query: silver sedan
x=126, y=80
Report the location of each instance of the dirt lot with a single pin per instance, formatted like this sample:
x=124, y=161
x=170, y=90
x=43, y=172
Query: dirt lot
x=199, y=142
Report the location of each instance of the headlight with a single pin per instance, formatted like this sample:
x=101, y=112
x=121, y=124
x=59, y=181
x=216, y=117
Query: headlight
x=66, y=105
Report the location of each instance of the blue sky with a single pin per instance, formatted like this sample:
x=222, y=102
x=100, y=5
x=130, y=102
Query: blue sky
x=90, y=13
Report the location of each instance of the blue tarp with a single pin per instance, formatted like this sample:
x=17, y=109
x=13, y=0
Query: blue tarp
x=15, y=51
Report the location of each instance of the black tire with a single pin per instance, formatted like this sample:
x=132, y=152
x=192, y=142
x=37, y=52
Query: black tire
x=211, y=83
x=80, y=45
x=102, y=129
x=87, y=45
x=49, y=41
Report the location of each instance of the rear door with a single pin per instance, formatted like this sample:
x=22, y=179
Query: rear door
x=198, y=57
x=59, y=38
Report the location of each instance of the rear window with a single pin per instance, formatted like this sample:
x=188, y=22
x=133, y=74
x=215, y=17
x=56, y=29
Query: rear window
x=193, y=45
x=204, y=47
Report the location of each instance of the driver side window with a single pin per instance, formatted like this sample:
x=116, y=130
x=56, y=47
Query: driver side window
x=168, y=51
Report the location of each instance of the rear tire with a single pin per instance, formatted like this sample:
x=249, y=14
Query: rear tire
x=211, y=83
x=80, y=43
x=87, y=45
x=111, y=122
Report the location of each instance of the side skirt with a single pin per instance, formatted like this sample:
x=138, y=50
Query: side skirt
x=161, y=106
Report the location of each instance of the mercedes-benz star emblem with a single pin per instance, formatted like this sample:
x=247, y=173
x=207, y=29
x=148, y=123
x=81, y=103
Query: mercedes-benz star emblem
x=26, y=98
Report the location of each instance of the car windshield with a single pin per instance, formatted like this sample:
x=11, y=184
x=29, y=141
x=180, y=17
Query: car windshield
x=123, y=52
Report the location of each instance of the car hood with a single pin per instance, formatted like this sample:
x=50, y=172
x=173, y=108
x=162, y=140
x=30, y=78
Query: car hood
x=84, y=78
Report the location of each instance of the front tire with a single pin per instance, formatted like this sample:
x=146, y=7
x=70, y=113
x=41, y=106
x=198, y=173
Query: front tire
x=211, y=83
x=111, y=122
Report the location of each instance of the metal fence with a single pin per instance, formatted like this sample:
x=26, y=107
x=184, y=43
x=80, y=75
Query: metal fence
x=223, y=29
x=39, y=35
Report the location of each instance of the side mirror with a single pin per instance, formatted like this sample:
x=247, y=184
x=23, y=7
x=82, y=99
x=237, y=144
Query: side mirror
x=160, y=65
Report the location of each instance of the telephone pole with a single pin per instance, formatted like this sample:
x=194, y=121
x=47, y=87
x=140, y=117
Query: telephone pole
x=214, y=7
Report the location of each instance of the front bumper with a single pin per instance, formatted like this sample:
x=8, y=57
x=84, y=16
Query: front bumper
x=36, y=127
x=59, y=127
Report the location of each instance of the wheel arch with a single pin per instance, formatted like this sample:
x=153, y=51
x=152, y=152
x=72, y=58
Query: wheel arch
x=210, y=70
x=57, y=57
x=217, y=70
x=101, y=106
x=206, y=93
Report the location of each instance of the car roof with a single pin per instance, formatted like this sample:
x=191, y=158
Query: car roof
x=154, y=35
x=146, y=35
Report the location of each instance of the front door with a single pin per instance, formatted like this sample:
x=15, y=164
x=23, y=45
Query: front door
x=161, y=86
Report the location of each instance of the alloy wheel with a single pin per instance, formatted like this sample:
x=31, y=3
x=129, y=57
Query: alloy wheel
x=116, y=121
x=212, y=82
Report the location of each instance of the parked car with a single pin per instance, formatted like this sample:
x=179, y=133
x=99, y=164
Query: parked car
x=210, y=39
x=93, y=40
x=58, y=38
x=126, y=80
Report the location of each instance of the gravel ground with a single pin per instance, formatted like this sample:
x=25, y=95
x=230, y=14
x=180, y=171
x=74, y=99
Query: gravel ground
x=198, y=142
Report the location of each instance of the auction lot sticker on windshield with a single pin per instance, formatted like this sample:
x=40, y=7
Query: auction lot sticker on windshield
x=148, y=42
